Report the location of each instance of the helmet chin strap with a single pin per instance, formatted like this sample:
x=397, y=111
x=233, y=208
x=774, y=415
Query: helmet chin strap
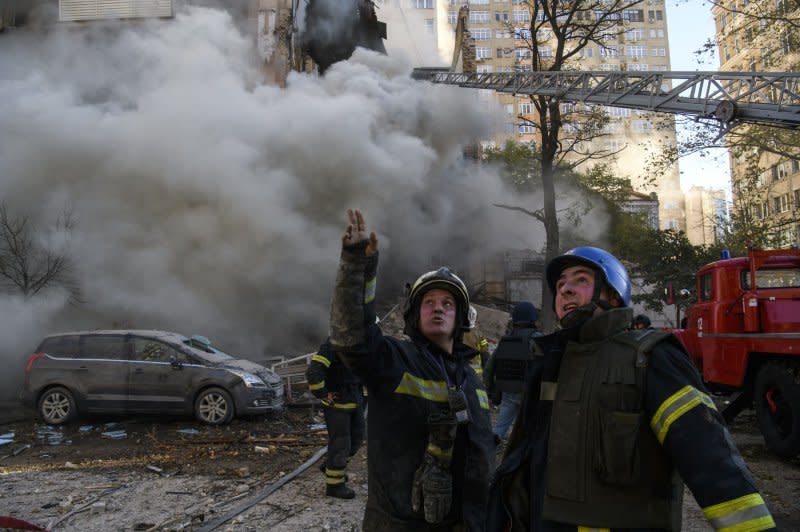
x=579, y=315
x=583, y=313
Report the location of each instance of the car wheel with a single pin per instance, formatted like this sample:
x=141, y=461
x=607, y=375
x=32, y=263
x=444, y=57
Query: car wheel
x=777, y=403
x=214, y=406
x=57, y=406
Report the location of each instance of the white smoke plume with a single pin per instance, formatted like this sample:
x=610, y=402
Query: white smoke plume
x=204, y=202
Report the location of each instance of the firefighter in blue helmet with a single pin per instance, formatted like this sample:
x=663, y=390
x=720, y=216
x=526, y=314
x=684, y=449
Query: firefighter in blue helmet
x=342, y=399
x=429, y=443
x=613, y=421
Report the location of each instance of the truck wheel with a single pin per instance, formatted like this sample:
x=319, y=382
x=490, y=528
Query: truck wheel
x=214, y=406
x=777, y=403
x=57, y=406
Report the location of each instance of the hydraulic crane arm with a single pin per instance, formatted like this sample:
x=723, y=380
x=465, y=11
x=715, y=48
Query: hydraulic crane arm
x=770, y=98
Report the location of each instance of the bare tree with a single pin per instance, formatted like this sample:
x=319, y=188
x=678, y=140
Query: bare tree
x=557, y=32
x=28, y=264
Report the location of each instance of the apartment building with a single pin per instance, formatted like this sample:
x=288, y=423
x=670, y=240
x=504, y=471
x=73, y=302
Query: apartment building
x=500, y=29
x=706, y=213
x=760, y=35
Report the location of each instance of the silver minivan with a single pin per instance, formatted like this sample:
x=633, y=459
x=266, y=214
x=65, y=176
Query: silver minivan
x=138, y=371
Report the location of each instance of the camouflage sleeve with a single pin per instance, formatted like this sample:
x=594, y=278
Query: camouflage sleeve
x=353, y=297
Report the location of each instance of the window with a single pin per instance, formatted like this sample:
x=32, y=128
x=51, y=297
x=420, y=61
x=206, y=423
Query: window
x=797, y=198
x=705, y=287
x=147, y=350
x=545, y=51
x=423, y=4
x=502, y=34
x=521, y=16
x=479, y=2
x=655, y=15
x=634, y=34
x=638, y=67
x=482, y=52
x=509, y=108
x=658, y=52
x=526, y=129
x=107, y=347
x=429, y=25
x=479, y=17
x=609, y=67
x=786, y=43
x=633, y=15
x=773, y=278
x=522, y=33
x=642, y=126
x=636, y=51
x=452, y=18
x=481, y=34
x=608, y=51
x=65, y=346
x=522, y=53
x=527, y=108
x=483, y=69
x=656, y=34
x=618, y=111
x=766, y=57
x=501, y=16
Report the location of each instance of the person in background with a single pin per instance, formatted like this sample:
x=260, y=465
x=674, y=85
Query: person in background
x=641, y=321
x=429, y=444
x=343, y=405
x=512, y=355
x=613, y=421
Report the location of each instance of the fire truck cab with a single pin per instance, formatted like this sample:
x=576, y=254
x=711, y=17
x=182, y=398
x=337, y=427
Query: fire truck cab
x=744, y=335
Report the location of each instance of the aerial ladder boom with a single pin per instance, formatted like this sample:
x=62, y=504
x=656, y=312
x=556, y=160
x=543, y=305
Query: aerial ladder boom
x=770, y=98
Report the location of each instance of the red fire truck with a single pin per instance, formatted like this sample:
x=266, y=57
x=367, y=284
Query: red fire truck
x=744, y=335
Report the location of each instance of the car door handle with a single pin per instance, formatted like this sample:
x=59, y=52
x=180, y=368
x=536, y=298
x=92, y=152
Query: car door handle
x=83, y=368
x=138, y=370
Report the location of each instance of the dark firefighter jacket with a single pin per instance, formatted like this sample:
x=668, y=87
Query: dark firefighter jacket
x=679, y=412
x=326, y=373
x=407, y=381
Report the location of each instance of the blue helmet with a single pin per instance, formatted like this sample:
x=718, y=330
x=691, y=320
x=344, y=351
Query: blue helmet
x=614, y=273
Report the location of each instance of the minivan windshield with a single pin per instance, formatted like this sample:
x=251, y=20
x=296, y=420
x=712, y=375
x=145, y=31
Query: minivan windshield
x=202, y=345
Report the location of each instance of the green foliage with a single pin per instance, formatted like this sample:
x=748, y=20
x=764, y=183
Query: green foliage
x=659, y=259
x=520, y=165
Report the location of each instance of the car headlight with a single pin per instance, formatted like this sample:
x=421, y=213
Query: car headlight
x=249, y=379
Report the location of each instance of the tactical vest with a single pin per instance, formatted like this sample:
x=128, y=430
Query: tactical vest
x=605, y=467
x=511, y=358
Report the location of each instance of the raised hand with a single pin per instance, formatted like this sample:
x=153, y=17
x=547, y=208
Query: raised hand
x=356, y=232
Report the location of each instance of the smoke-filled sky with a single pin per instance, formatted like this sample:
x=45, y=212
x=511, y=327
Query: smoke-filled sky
x=205, y=202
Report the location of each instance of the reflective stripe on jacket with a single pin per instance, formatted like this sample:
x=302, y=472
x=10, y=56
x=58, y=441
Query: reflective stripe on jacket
x=679, y=412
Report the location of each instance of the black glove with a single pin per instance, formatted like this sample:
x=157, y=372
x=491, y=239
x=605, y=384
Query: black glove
x=432, y=489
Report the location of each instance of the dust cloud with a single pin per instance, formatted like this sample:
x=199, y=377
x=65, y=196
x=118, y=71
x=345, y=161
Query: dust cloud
x=205, y=202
